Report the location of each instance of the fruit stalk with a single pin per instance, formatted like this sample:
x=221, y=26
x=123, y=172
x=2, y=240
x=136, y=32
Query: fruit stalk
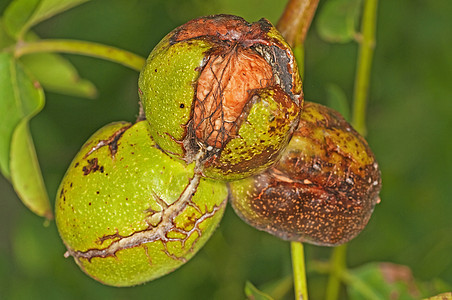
x=296, y=20
x=293, y=25
x=299, y=271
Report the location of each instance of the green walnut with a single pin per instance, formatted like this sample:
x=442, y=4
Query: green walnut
x=223, y=92
x=129, y=213
x=322, y=191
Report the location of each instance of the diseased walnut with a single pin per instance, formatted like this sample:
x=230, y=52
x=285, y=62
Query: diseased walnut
x=322, y=191
x=224, y=92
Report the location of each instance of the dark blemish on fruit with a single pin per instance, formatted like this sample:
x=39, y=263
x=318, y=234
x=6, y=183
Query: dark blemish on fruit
x=181, y=105
x=76, y=165
x=112, y=142
x=92, y=166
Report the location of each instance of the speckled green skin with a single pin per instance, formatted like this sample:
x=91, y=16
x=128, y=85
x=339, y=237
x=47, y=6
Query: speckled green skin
x=125, y=210
x=167, y=84
x=167, y=88
x=322, y=191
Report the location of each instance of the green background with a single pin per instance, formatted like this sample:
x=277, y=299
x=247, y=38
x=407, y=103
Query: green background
x=409, y=124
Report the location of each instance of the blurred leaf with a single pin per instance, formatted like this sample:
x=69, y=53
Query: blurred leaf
x=444, y=296
x=17, y=14
x=57, y=74
x=252, y=293
x=337, y=100
x=278, y=288
x=385, y=280
x=337, y=20
x=5, y=39
x=21, y=15
x=20, y=99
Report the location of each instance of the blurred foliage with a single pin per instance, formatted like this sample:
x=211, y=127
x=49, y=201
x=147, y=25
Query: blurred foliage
x=409, y=118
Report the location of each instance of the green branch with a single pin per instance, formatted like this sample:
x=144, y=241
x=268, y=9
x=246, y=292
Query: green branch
x=362, y=78
x=113, y=54
x=299, y=271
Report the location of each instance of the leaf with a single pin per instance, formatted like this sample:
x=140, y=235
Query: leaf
x=337, y=100
x=382, y=281
x=21, y=15
x=279, y=287
x=444, y=296
x=5, y=39
x=252, y=293
x=26, y=173
x=17, y=14
x=10, y=109
x=337, y=20
x=20, y=99
x=57, y=74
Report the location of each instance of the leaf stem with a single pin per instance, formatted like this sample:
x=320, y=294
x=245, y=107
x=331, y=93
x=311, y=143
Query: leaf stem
x=366, y=50
x=299, y=271
x=113, y=54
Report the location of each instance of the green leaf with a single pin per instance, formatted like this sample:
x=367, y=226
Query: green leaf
x=10, y=108
x=338, y=19
x=20, y=99
x=5, y=39
x=279, y=287
x=57, y=74
x=21, y=15
x=444, y=296
x=382, y=281
x=252, y=293
x=337, y=100
x=26, y=173
x=17, y=15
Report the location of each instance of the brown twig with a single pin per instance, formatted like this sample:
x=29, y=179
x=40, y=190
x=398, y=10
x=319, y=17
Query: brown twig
x=296, y=19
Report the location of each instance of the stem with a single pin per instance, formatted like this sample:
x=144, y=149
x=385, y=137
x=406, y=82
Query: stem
x=293, y=25
x=299, y=271
x=296, y=19
x=366, y=50
x=338, y=266
x=113, y=54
